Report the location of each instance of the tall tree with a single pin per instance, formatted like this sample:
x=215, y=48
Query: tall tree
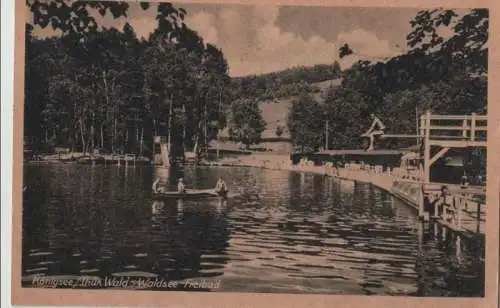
x=305, y=123
x=247, y=124
x=96, y=87
x=444, y=75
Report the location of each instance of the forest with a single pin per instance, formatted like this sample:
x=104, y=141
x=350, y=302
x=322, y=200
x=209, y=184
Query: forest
x=98, y=88
x=290, y=82
x=444, y=75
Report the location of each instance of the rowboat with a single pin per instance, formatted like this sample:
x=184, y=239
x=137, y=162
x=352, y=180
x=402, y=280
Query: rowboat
x=191, y=193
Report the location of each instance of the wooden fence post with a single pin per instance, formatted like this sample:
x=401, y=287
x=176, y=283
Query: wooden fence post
x=478, y=220
x=460, y=210
x=473, y=127
x=436, y=206
x=427, y=148
x=464, y=128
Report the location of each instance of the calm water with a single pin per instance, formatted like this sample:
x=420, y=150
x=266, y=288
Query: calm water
x=280, y=232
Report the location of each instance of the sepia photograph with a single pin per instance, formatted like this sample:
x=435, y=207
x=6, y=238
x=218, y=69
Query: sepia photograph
x=254, y=148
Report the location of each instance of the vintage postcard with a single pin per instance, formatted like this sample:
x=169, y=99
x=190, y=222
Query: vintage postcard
x=254, y=153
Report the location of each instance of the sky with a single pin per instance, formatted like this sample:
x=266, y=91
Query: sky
x=258, y=39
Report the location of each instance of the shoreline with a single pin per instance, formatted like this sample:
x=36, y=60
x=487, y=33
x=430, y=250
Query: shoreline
x=374, y=176
x=378, y=180
x=408, y=190
x=81, y=158
x=340, y=173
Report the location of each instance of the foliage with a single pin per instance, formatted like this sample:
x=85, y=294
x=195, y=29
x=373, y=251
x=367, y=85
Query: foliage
x=443, y=75
x=246, y=124
x=94, y=87
x=290, y=82
x=73, y=16
x=344, y=51
x=108, y=89
x=305, y=123
x=468, y=44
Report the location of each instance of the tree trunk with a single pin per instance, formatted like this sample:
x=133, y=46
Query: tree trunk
x=92, y=133
x=170, y=127
x=126, y=140
x=142, y=141
x=92, y=137
x=136, y=132
x=155, y=131
x=106, y=96
x=84, y=147
x=184, y=128
x=205, y=133
x=75, y=138
x=71, y=141
x=54, y=136
x=102, y=136
x=115, y=129
x=197, y=147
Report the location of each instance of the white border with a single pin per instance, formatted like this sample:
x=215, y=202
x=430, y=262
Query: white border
x=7, y=91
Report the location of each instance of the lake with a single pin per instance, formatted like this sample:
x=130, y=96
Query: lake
x=280, y=231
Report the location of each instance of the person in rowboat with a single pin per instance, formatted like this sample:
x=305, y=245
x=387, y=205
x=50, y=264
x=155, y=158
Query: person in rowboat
x=376, y=129
x=221, y=186
x=156, y=186
x=180, y=186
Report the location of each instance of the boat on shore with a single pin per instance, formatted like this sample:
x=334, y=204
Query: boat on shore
x=191, y=193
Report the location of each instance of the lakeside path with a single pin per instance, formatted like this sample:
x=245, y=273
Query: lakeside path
x=404, y=189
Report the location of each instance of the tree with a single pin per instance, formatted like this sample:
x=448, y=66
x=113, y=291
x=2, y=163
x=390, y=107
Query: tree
x=468, y=44
x=348, y=113
x=336, y=68
x=305, y=123
x=96, y=87
x=443, y=75
x=286, y=83
x=246, y=124
x=73, y=16
x=344, y=51
x=187, y=83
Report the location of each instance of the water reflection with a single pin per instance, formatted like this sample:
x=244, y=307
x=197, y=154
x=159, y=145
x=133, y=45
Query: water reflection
x=281, y=232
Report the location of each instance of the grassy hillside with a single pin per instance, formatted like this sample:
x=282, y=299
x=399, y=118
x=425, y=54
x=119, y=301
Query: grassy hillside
x=275, y=111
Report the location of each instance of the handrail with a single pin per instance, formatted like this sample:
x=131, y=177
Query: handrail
x=458, y=128
x=436, y=117
x=469, y=129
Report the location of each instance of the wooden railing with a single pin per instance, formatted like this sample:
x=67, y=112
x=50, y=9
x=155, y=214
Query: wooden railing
x=457, y=127
x=460, y=210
